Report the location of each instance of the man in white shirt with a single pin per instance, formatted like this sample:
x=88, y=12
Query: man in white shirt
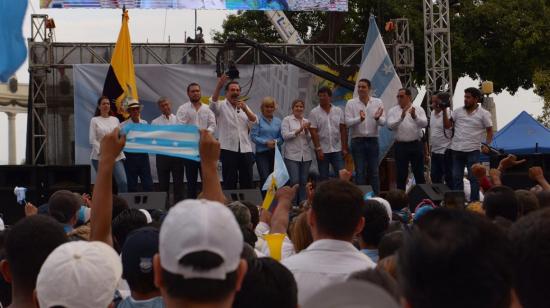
x=471, y=123
x=195, y=113
x=167, y=165
x=407, y=123
x=440, y=141
x=137, y=164
x=234, y=120
x=329, y=134
x=334, y=218
x=364, y=114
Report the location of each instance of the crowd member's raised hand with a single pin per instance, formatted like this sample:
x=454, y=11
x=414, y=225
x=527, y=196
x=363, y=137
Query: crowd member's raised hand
x=344, y=175
x=30, y=209
x=284, y=197
x=209, y=150
x=508, y=162
x=495, y=176
x=537, y=174
x=102, y=201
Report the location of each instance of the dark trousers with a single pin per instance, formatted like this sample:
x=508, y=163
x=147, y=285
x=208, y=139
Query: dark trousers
x=236, y=165
x=334, y=159
x=191, y=174
x=167, y=165
x=137, y=167
x=461, y=160
x=442, y=168
x=405, y=153
x=264, y=162
x=365, y=157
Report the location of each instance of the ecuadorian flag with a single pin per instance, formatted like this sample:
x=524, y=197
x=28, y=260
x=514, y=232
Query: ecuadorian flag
x=120, y=82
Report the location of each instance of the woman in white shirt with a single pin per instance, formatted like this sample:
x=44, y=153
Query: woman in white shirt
x=102, y=124
x=297, y=148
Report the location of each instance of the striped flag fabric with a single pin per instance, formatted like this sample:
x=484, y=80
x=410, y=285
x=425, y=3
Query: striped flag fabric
x=173, y=140
x=120, y=83
x=377, y=67
x=276, y=179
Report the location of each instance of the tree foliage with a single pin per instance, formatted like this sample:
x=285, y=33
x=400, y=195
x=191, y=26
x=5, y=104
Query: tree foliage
x=505, y=41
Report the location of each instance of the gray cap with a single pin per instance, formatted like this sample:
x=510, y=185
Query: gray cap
x=351, y=294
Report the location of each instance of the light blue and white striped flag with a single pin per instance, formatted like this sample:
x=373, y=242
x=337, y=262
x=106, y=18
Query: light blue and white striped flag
x=377, y=67
x=172, y=140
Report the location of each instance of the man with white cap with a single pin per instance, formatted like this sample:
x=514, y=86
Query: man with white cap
x=199, y=261
x=79, y=274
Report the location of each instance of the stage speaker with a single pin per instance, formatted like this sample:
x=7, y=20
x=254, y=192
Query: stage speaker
x=74, y=178
x=434, y=192
x=366, y=189
x=145, y=200
x=251, y=195
x=22, y=176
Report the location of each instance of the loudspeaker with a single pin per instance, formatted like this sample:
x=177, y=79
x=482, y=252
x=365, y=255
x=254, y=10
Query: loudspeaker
x=365, y=189
x=22, y=176
x=251, y=195
x=145, y=200
x=434, y=192
x=74, y=178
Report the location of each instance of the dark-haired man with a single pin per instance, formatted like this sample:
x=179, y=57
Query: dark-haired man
x=199, y=261
x=364, y=114
x=471, y=123
x=440, y=140
x=194, y=112
x=377, y=222
x=28, y=244
x=329, y=134
x=407, y=122
x=334, y=219
x=456, y=252
x=234, y=120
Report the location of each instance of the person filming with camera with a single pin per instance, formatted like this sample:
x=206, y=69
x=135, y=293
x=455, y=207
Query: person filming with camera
x=440, y=140
x=470, y=123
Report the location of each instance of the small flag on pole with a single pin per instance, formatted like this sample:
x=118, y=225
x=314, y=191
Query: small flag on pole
x=120, y=82
x=172, y=140
x=276, y=179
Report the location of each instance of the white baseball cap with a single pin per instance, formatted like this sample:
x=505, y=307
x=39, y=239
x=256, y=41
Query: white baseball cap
x=386, y=205
x=200, y=225
x=79, y=274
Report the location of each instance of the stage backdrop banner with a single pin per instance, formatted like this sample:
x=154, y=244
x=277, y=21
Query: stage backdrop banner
x=283, y=82
x=269, y=5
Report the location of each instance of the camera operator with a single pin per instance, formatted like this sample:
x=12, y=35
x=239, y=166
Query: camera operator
x=440, y=140
x=470, y=123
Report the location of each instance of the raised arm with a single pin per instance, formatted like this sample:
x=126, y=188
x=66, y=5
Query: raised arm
x=279, y=220
x=102, y=198
x=209, y=150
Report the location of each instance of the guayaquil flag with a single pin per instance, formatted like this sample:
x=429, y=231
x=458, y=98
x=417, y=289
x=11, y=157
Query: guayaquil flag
x=120, y=83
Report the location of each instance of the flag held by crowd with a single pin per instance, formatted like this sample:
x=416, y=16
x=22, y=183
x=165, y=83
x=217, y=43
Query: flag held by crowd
x=276, y=179
x=377, y=67
x=120, y=82
x=172, y=140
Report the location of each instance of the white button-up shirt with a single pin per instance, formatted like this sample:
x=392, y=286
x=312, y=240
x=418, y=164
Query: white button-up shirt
x=323, y=263
x=233, y=127
x=99, y=127
x=470, y=128
x=296, y=147
x=369, y=126
x=438, y=142
x=328, y=127
x=163, y=120
x=203, y=118
x=407, y=129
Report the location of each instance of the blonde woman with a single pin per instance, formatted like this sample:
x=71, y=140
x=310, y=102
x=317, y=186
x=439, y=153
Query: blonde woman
x=266, y=134
x=297, y=151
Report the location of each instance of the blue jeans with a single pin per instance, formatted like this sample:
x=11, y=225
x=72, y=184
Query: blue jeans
x=335, y=159
x=118, y=173
x=442, y=168
x=298, y=171
x=264, y=163
x=137, y=166
x=461, y=160
x=365, y=152
x=405, y=153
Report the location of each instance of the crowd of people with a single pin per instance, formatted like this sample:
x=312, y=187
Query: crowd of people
x=339, y=247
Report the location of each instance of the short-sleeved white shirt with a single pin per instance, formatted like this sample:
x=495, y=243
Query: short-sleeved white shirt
x=328, y=127
x=470, y=128
x=439, y=143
